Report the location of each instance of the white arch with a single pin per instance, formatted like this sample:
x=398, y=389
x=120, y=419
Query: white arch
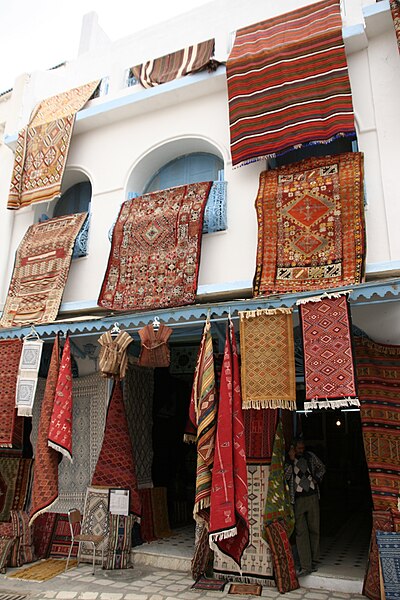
x=75, y=174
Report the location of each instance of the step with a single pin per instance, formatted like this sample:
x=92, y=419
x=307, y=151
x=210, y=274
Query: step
x=146, y=556
x=332, y=583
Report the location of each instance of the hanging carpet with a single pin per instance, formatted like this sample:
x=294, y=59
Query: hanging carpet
x=310, y=225
x=328, y=354
x=378, y=380
x=115, y=466
x=267, y=351
x=45, y=479
x=61, y=538
x=395, y=9
x=229, y=526
x=259, y=428
x=60, y=430
x=138, y=400
x=40, y=271
x=95, y=521
x=288, y=83
x=276, y=536
x=389, y=556
x=146, y=521
x=11, y=426
x=15, y=474
x=27, y=376
x=43, y=529
x=175, y=65
x=155, y=250
x=42, y=147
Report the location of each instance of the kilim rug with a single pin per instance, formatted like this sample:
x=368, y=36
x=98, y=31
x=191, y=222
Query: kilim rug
x=229, y=525
x=138, y=400
x=395, y=9
x=44, y=570
x=96, y=522
x=202, y=552
x=40, y=271
x=276, y=536
x=381, y=521
x=328, y=354
x=22, y=484
x=28, y=375
x=267, y=351
x=256, y=559
x=310, y=225
x=378, y=380
x=10, y=424
x=209, y=584
x=9, y=468
x=90, y=395
x=60, y=429
x=146, y=522
x=159, y=506
x=120, y=542
x=6, y=546
x=177, y=64
x=245, y=589
x=277, y=504
x=115, y=466
x=155, y=250
x=203, y=415
x=45, y=479
x=23, y=551
x=43, y=145
x=43, y=529
x=61, y=538
x=389, y=556
x=259, y=429
x=288, y=83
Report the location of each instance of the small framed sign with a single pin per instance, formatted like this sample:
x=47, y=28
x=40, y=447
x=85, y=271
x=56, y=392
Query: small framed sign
x=118, y=501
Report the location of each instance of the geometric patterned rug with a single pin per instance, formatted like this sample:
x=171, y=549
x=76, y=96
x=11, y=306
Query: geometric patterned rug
x=389, y=554
x=11, y=426
x=96, y=522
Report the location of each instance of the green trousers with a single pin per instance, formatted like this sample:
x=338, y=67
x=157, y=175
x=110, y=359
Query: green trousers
x=306, y=512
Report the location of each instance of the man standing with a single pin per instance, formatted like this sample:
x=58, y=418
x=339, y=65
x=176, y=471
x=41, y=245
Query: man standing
x=304, y=472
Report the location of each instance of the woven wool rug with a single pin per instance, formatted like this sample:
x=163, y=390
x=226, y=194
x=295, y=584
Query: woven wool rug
x=40, y=271
x=259, y=429
x=43, y=571
x=229, y=525
x=382, y=520
x=310, y=225
x=378, y=380
x=245, y=589
x=328, y=354
x=42, y=533
x=45, y=479
x=10, y=423
x=288, y=83
x=138, y=400
x=115, y=466
x=256, y=564
x=389, y=556
x=209, y=584
x=276, y=536
x=6, y=546
x=175, y=65
x=90, y=395
x=27, y=376
x=43, y=145
x=395, y=10
x=267, y=351
x=9, y=468
x=61, y=538
x=95, y=522
x=155, y=250
x=120, y=542
x=59, y=436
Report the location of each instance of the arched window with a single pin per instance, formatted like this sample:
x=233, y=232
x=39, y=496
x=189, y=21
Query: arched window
x=76, y=200
x=190, y=168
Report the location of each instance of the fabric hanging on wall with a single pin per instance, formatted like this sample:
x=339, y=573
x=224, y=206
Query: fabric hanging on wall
x=311, y=232
x=395, y=9
x=42, y=147
x=175, y=65
x=328, y=354
x=154, y=351
x=203, y=415
x=91, y=395
x=327, y=350
x=256, y=564
x=113, y=358
x=60, y=430
x=277, y=504
x=115, y=466
x=27, y=376
x=388, y=547
x=267, y=351
x=40, y=272
x=378, y=381
x=155, y=250
x=229, y=525
x=14, y=484
x=259, y=429
x=138, y=400
x=288, y=84
x=45, y=478
x=10, y=424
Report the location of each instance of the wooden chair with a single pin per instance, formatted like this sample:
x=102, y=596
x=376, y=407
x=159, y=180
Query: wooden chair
x=74, y=516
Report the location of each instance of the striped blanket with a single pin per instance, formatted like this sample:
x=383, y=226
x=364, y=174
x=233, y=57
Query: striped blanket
x=177, y=64
x=288, y=83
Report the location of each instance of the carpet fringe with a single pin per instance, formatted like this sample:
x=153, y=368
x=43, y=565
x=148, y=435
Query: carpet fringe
x=324, y=296
x=248, y=314
x=59, y=449
x=229, y=577
x=24, y=411
x=221, y=535
x=41, y=511
x=204, y=503
x=275, y=403
x=342, y=402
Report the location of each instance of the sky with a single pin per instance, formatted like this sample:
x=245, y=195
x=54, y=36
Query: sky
x=39, y=34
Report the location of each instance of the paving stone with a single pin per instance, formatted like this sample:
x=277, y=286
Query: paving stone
x=176, y=588
x=49, y=594
x=156, y=597
x=66, y=595
x=88, y=595
x=152, y=589
x=110, y=596
x=120, y=584
x=317, y=595
x=135, y=597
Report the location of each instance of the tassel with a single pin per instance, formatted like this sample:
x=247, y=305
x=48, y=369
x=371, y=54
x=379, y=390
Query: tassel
x=221, y=535
x=324, y=296
x=271, y=403
x=339, y=403
x=249, y=314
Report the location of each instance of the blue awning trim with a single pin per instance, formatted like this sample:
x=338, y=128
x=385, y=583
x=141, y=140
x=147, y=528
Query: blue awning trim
x=191, y=316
